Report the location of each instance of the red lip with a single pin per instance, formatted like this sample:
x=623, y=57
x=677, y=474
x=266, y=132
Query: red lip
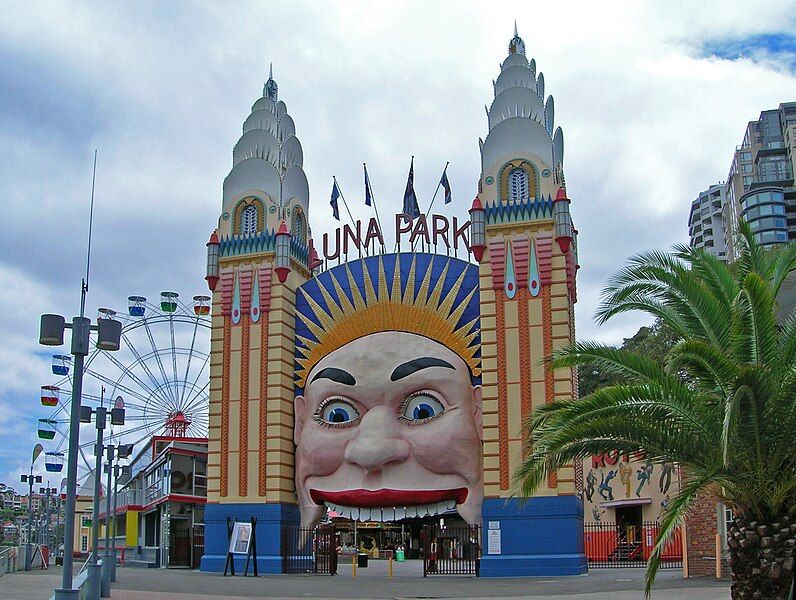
x=386, y=497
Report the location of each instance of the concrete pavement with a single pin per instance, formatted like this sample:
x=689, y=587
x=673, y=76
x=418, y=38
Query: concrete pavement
x=159, y=584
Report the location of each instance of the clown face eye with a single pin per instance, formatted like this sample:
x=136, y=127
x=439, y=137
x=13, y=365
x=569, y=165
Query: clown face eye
x=421, y=407
x=337, y=413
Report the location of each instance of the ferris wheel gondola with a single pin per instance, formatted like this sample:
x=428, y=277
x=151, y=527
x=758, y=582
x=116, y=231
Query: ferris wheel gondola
x=161, y=371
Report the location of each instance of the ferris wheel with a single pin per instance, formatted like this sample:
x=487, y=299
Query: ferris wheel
x=160, y=375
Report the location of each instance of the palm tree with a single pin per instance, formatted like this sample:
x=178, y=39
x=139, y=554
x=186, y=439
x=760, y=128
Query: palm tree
x=722, y=404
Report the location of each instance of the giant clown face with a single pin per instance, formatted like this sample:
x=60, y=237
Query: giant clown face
x=389, y=426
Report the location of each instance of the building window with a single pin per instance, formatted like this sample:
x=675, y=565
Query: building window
x=84, y=543
x=248, y=221
x=298, y=225
x=518, y=185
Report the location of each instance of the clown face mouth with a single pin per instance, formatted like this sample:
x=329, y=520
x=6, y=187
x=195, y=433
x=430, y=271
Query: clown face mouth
x=389, y=505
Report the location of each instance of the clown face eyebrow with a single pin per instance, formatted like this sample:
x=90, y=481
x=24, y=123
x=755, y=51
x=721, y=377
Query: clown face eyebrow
x=412, y=366
x=337, y=375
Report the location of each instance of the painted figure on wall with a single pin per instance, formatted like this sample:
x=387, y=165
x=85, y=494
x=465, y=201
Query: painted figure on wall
x=665, y=481
x=590, y=481
x=606, y=491
x=644, y=474
x=626, y=477
x=388, y=404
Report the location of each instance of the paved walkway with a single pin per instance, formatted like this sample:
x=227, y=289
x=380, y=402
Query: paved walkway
x=372, y=583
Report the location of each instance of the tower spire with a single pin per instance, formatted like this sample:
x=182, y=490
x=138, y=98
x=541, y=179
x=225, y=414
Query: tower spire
x=270, y=89
x=516, y=45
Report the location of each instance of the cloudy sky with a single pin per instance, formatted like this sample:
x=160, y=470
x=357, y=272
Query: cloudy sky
x=653, y=98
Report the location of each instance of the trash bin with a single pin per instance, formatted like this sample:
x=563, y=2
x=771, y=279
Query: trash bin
x=362, y=560
x=400, y=556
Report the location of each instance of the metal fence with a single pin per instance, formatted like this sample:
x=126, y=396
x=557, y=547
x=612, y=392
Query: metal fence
x=452, y=550
x=309, y=550
x=611, y=544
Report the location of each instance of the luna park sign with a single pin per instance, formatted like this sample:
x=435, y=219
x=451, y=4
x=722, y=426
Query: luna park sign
x=431, y=230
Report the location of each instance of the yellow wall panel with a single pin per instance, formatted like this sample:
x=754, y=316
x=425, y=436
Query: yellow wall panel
x=535, y=312
x=511, y=314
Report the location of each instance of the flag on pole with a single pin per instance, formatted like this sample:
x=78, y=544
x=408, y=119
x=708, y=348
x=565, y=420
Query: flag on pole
x=368, y=190
x=446, y=186
x=411, y=207
x=333, y=201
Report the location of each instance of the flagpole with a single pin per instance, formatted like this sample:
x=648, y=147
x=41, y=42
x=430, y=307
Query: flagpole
x=439, y=183
x=373, y=199
x=353, y=224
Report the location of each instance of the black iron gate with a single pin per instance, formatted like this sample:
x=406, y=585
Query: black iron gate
x=452, y=550
x=309, y=550
x=198, y=545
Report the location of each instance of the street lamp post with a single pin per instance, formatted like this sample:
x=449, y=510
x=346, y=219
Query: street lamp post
x=30, y=480
x=48, y=492
x=108, y=338
x=95, y=583
x=109, y=558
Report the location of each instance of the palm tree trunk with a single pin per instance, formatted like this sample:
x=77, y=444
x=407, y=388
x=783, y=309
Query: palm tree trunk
x=761, y=558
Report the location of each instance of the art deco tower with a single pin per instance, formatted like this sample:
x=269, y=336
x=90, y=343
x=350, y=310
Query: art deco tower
x=257, y=257
x=528, y=292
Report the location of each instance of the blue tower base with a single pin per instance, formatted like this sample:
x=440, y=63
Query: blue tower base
x=538, y=537
x=271, y=518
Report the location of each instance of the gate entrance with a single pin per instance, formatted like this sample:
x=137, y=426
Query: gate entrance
x=452, y=550
x=628, y=542
x=309, y=550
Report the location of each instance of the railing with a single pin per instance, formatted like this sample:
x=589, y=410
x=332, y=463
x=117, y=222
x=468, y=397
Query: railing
x=611, y=544
x=129, y=497
x=8, y=560
x=309, y=550
x=451, y=550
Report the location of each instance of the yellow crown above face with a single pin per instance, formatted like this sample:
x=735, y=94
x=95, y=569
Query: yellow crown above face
x=428, y=313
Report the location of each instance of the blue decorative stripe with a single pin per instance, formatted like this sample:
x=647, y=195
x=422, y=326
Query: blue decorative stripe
x=264, y=241
x=524, y=210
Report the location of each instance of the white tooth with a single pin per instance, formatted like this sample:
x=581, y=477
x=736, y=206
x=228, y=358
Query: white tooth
x=451, y=504
x=364, y=514
x=388, y=514
x=425, y=510
x=400, y=513
x=354, y=513
x=413, y=511
x=377, y=514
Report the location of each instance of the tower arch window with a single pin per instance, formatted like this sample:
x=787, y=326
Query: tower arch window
x=248, y=220
x=298, y=225
x=518, y=185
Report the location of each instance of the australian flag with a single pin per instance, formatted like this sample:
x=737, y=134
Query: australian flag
x=368, y=190
x=333, y=201
x=410, y=200
x=446, y=185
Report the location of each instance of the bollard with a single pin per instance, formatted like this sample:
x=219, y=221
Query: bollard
x=718, y=556
x=389, y=568
x=354, y=567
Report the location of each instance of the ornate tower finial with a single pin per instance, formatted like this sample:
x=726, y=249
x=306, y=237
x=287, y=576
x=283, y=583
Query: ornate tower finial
x=270, y=89
x=516, y=45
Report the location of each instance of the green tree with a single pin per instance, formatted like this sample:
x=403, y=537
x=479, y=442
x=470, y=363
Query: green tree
x=652, y=341
x=722, y=403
